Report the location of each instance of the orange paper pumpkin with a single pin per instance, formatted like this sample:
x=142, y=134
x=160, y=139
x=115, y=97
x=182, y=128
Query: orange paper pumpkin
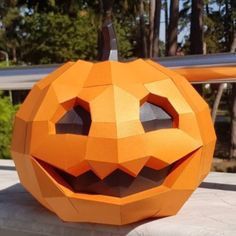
x=113, y=142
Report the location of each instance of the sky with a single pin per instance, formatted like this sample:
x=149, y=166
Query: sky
x=186, y=31
x=181, y=35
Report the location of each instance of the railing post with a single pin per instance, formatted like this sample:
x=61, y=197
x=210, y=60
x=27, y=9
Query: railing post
x=6, y=57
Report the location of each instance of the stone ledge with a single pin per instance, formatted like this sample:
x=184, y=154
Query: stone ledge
x=211, y=210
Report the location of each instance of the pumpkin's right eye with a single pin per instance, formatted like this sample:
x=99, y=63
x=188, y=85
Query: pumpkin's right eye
x=154, y=117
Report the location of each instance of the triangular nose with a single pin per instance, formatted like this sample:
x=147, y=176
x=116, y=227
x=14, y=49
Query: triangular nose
x=102, y=169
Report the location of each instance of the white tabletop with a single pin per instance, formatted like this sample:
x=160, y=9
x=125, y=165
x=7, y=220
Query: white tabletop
x=211, y=210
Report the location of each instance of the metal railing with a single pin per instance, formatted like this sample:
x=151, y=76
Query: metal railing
x=23, y=78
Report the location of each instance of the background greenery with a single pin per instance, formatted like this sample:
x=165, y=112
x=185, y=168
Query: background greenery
x=54, y=31
x=6, y=119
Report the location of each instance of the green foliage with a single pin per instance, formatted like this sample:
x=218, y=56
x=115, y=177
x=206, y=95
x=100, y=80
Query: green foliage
x=3, y=64
x=56, y=38
x=125, y=37
x=9, y=32
x=7, y=112
x=214, y=33
x=50, y=31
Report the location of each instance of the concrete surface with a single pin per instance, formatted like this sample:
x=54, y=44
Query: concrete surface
x=210, y=211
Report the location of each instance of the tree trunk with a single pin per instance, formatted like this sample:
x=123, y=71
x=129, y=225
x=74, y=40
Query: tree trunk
x=233, y=111
x=228, y=22
x=152, y=7
x=196, y=31
x=166, y=26
x=233, y=124
x=143, y=31
x=217, y=101
x=233, y=45
x=14, y=54
x=173, y=27
x=207, y=9
x=157, y=18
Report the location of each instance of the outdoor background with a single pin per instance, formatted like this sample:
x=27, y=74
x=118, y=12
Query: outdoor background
x=54, y=31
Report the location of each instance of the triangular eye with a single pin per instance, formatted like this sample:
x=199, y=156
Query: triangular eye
x=154, y=117
x=75, y=121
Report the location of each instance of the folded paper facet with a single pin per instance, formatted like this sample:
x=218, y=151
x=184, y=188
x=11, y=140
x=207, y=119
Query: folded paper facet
x=112, y=142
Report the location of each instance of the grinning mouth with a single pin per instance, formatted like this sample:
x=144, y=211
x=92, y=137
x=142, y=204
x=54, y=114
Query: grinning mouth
x=117, y=184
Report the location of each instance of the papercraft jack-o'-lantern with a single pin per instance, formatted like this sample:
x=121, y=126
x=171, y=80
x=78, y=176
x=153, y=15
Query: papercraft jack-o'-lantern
x=113, y=142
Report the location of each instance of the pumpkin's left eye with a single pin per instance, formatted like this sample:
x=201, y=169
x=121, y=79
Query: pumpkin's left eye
x=75, y=121
x=154, y=117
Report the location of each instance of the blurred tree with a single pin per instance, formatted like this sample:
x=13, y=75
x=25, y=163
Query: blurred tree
x=50, y=31
x=142, y=31
x=173, y=28
x=154, y=27
x=10, y=19
x=55, y=38
x=196, y=31
x=165, y=6
x=136, y=22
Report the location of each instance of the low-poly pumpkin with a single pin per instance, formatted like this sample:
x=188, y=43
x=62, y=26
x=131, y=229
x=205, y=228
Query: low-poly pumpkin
x=113, y=142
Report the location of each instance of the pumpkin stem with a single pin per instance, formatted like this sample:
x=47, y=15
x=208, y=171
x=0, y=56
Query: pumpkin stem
x=107, y=42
